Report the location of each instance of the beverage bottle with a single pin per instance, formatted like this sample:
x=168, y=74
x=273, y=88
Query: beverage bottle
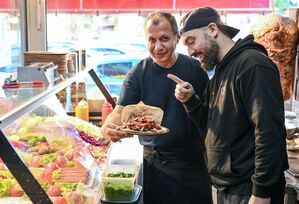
x=82, y=110
x=106, y=110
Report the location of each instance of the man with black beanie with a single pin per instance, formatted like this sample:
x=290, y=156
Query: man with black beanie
x=244, y=108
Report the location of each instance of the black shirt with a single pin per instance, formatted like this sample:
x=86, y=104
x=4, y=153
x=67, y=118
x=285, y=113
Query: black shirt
x=148, y=82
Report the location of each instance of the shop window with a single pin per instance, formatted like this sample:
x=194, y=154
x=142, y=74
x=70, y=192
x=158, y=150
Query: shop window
x=10, y=36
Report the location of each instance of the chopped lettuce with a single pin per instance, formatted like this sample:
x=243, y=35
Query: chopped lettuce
x=29, y=136
x=56, y=174
x=48, y=158
x=70, y=201
x=5, y=185
x=70, y=164
x=7, y=174
x=67, y=187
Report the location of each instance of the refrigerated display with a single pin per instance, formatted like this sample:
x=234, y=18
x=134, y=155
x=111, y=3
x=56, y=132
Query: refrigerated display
x=46, y=155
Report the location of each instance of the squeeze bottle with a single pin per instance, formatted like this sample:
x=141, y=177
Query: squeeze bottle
x=106, y=110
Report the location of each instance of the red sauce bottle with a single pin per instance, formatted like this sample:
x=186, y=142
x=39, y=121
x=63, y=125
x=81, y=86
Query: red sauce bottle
x=106, y=110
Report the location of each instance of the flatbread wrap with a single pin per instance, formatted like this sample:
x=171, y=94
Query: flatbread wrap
x=142, y=119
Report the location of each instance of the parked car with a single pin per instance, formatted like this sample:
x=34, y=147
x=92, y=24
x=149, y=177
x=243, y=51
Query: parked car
x=116, y=49
x=60, y=46
x=132, y=47
x=112, y=69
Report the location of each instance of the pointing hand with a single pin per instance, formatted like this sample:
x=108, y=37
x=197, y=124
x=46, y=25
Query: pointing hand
x=183, y=90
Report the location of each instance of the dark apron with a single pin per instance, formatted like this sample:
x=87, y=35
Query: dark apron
x=175, y=176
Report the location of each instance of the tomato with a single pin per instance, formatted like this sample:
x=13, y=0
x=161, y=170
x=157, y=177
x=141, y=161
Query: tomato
x=44, y=143
x=35, y=161
x=61, y=161
x=15, y=191
x=60, y=200
x=53, y=166
x=47, y=176
x=75, y=197
x=54, y=190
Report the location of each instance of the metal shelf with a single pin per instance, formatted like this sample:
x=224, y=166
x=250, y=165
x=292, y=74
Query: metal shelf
x=38, y=97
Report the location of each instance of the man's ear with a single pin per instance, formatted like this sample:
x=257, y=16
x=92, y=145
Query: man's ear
x=213, y=30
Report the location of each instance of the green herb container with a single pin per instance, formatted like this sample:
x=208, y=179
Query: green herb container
x=118, y=182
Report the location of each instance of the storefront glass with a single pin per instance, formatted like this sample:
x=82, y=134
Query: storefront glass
x=10, y=36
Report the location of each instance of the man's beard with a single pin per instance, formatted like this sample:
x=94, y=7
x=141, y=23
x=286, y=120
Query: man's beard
x=210, y=60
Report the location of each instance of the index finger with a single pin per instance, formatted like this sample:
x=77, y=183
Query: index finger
x=113, y=126
x=175, y=78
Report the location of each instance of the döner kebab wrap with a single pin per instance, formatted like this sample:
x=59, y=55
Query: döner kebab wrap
x=142, y=119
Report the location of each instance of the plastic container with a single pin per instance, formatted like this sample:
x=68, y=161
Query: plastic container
x=134, y=199
x=106, y=110
x=124, y=162
x=116, y=188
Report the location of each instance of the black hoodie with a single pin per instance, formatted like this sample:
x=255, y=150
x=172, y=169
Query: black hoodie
x=245, y=125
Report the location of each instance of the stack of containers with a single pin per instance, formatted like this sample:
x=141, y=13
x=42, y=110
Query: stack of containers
x=58, y=58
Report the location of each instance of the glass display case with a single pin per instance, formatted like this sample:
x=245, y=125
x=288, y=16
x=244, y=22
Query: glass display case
x=46, y=155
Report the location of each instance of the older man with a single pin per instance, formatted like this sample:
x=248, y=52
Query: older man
x=174, y=167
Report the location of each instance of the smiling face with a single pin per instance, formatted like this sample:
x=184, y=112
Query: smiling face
x=202, y=46
x=161, y=41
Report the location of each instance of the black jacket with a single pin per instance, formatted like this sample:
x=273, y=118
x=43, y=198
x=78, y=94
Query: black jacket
x=245, y=124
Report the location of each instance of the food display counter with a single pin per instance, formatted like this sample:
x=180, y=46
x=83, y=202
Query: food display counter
x=46, y=155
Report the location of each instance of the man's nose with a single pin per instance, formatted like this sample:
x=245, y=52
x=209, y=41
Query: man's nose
x=191, y=51
x=158, y=45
